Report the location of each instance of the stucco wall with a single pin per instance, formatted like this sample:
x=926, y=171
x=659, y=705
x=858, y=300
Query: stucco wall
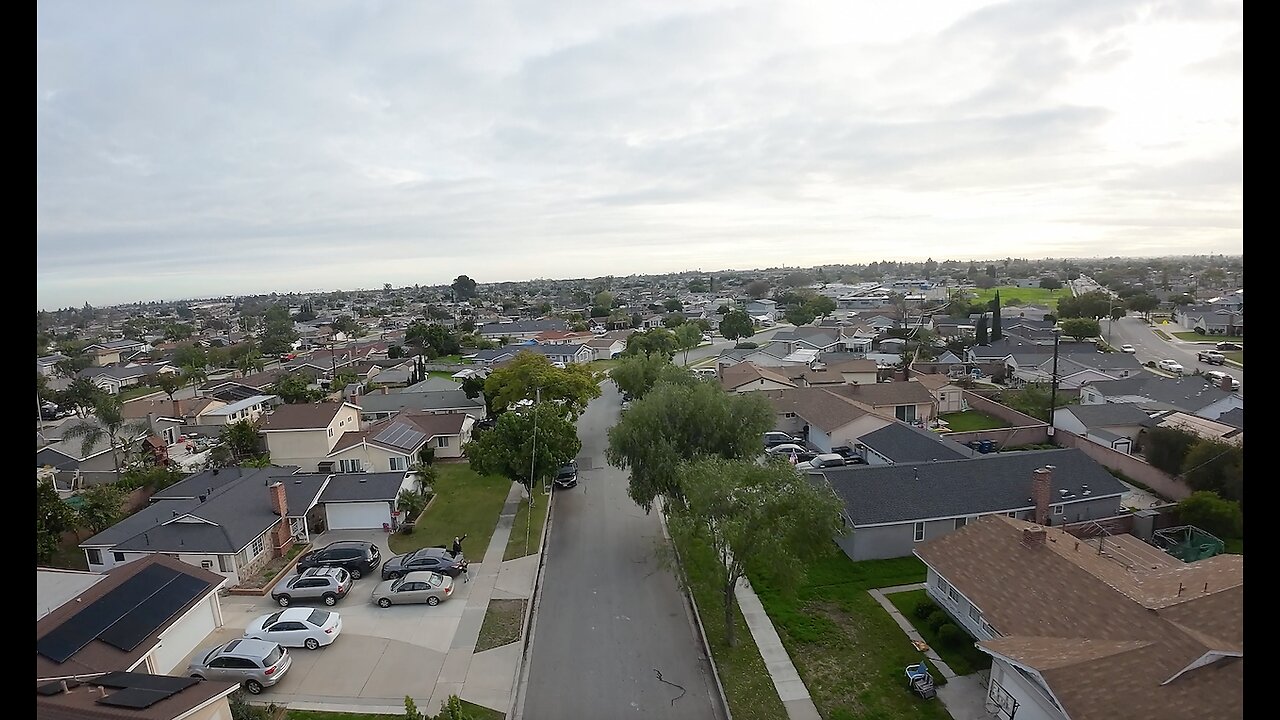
x=1131, y=465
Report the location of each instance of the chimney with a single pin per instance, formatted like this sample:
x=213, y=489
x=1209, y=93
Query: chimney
x=1041, y=481
x=279, y=505
x=1225, y=382
x=1033, y=537
x=283, y=539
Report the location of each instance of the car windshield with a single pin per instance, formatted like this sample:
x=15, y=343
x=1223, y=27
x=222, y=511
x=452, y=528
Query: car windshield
x=566, y=471
x=273, y=657
x=395, y=584
x=435, y=580
x=318, y=617
x=271, y=619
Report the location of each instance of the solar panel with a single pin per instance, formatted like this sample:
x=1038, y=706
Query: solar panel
x=132, y=628
x=145, y=681
x=80, y=629
x=136, y=698
x=400, y=435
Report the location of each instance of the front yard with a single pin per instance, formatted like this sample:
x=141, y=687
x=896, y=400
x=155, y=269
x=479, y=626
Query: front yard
x=465, y=503
x=847, y=649
x=1197, y=337
x=503, y=620
x=526, y=537
x=970, y=420
x=963, y=658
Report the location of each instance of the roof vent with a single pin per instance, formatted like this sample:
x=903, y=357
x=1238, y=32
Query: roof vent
x=297, y=482
x=364, y=479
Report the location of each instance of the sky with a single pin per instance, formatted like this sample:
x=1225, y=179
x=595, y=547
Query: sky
x=197, y=149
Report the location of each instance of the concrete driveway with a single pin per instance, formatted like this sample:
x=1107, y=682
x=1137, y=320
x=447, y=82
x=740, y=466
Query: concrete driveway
x=381, y=656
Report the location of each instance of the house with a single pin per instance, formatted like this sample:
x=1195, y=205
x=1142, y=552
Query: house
x=144, y=617
x=380, y=405
x=1153, y=394
x=763, y=308
x=1113, y=425
x=392, y=445
x=889, y=508
x=1198, y=426
x=433, y=383
x=521, y=329
x=561, y=337
x=822, y=417
x=249, y=409
x=606, y=348
x=852, y=372
x=114, y=379
x=772, y=355
x=227, y=521
x=113, y=351
x=810, y=338
x=1076, y=366
x=569, y=353
x=167, y=418
x=1093, y=629
x=305, y=434
x=364, y=501
x=48, y=365
x=496, y=356
x=908, y=401
x=899, y=442
x=73, y=466
x=948, y=396
x=748, y=377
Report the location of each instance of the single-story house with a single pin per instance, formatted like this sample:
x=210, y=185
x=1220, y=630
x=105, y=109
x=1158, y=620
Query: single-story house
x=521, y=329
x=606, y=348
x=899, y=442
x=248, y=409
x=748, y=377
x=379, y=405
x=114, y=379
x=1198, y=426
x=47, y=365
x=822, y=417
x=908, y=401
x=433, y=383
x=1154, y=394
x=75, y=467
x=1075, y=368
x=113, y=351
x=1114, y=425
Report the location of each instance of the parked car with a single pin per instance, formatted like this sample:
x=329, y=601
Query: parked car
x=436, y=559
x=626, y=405
x=1213, y=357
x=431, y=588
x=777, y=438
x=1215, y=378
x=825, y=460
x=255, y=664
x=326, y=584
x=297, y=627
x=1229, y=346
x=1170, y=366
x=1127, y=349
x=786, y=449
x=566, y=476
x=357, y=557
x=706, y=337
x=851, y=456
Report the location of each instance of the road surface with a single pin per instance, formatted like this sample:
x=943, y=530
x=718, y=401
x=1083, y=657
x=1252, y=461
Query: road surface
x=1150, y=347
x=610, y=615
x=720, y=344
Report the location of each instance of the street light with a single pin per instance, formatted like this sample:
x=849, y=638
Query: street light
x=1053, y=392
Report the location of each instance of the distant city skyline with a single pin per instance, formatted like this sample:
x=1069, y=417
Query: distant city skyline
x=199, y=150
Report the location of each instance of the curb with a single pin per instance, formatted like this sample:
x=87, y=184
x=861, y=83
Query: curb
x=693, y=605
x=521, y=680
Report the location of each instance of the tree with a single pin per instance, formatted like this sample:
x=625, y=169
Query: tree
x=737, y=324
x=1142, y=303
x=1217, y=466
x=672, y=305
x=53, y=517
x=80, y=394
x=194, y=374
x=820, y=305
x=294, y=388
x=170, y=383
x=980, y=331
x=750, y=515
x=1080, y=328
x=464, y=288
x=72, y=366
x=658, y=341
x=757, y=289
x=1050, y=283
x=673, y=320
x=985, y=282
x=347, y=325
x=190, y=356
x=798, y=315
x=674, y=423
x=688, y=337
x=1034, y=400
x=996, y=333
x=604, y=299
x=797, y=279
x=697, y=286
x=569, y=388
x=394, y=352
x=1166, y=448
x=636, y=375
x=111, y=426
x=1209, y=512
x=508, y=448
x=101, y=506
x=241, y=439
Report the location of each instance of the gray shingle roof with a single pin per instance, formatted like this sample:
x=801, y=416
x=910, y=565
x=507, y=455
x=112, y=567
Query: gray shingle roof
x=1233, y=417
x=900, y=442
x=363, y=487
x=434, y=383
x=524, y=326
x=1189, y=394
x=437, y=400
x=1107, y=414
x=998, y=482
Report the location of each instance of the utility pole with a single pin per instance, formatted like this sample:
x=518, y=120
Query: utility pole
x=1053, y=392
x=533, y=455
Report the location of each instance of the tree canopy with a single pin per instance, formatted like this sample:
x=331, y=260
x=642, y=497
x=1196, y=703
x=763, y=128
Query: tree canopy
x=636, y=375
x=688, y=337
x=570, y=387
x=737, y=324
x=657, y=341
x=508, y=448
x=1081, y=328
x=464, y=288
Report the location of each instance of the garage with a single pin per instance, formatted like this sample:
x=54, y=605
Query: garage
x=358, y=515
x=185, y=635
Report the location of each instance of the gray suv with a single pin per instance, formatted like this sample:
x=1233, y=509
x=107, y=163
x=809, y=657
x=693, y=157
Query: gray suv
x=254, y=664
x=326, y=584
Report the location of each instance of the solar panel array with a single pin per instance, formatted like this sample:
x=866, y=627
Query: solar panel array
x=140, y=690
x=126, y=615
x=401, y=436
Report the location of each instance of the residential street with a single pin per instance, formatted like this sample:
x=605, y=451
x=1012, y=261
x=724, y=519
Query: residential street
x=1150, y=347
x=611, y=615
x=715, y=348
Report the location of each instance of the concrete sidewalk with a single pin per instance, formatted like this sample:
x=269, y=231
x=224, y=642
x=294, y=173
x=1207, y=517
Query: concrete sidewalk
x=791, y=689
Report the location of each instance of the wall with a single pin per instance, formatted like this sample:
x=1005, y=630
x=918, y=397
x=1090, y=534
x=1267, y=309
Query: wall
x=939, y=591
x=1026, y=430
x=1132, y=466
x=760, y=384
x=300, y=447
x=1033, y=702
x=848, y=434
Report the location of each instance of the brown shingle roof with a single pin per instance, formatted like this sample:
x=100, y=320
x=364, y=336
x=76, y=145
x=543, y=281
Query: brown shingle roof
x=1105, y=630
x=139, y=409
x=817, y=405
x=81, y=703
x=735, y=376
x=933, y=381
x=301, y=416
x=890, y=393
x=852, y=366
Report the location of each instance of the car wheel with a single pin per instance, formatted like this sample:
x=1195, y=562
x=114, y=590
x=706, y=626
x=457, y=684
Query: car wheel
x=355, y=573
x=312, y=643
x=393, y=576
x=384, y=602
x=330, y=599
x=196, y=676
x=253, y=686
x=433, y=601
x=283, y=601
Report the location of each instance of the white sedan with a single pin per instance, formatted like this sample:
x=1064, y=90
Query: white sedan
x=297, y=627
x=1127, y=349
x=786, y=449
x=1170, y=366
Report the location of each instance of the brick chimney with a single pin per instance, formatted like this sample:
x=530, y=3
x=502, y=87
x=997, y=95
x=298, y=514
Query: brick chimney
x=1041, y=485
x=1033, y=537
x=282, y=538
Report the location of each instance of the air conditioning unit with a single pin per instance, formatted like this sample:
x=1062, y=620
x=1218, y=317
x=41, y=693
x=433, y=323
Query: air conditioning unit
x=325, y=467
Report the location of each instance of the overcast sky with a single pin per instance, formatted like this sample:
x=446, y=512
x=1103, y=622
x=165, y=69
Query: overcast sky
x=189, y=149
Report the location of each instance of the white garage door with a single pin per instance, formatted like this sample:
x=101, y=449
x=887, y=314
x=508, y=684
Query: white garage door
x=186, y=635
x=358, y=515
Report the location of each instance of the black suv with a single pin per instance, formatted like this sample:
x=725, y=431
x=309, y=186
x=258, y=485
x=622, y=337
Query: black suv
x=567, y=476
x=355, y=556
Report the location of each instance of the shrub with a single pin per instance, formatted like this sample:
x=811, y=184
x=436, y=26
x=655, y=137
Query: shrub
x=925, y=608
x=937, y=619
x=951, y=636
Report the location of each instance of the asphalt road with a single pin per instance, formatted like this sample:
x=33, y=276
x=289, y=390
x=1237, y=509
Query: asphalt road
x=1133, y=331
x=720, y=344
x=610, y=615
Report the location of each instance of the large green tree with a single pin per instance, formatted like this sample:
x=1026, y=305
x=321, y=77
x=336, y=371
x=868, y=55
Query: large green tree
x=53, y=517
x=820, y=305
x=1210, y=512
x=1080, y=328
x=688, y=337
x=511, y=448
x=101, y=506
x=798, y=315
x=111, y=426
x=1166, y=448
x=657, y=341
x=464, y=288
x=635, y=375
x=1217, y=466
x=241, y=439
x=674, y=423
x=764, y=516
x=736, y=324
x=80, y=395
x=295, y=387
x=531, y=375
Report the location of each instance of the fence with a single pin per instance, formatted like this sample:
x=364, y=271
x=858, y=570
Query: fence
x=1133, y=467
x=1025, y=429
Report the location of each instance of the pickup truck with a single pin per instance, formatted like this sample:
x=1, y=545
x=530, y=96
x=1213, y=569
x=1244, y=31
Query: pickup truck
x=1213, y=357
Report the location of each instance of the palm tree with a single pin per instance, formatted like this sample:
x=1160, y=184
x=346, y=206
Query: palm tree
x=111, y=425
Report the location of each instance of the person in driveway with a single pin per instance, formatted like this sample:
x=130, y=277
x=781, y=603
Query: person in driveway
x=457, y=545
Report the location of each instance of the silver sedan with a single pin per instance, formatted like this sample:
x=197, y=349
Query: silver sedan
x=427, y=587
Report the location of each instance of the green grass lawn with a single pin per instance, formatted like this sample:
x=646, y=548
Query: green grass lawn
x=972, y=420
x=964, y=659
x=746, y=681
x=525, y=538
x=1161, y=334
x=848, y=650
x=69, y=556
x=603, y=365
x=503, y=620
x=471, y=712
x=137, y=391
x=1235, y=356
x=448, y=360
x=440, y=374
x=1027, y=296
x=465, y=502
x=1197, y=337
x=1235, y=546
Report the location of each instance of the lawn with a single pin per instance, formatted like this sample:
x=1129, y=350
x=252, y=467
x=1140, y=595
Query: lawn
x=137, y=391
x=603, y=365
x=1235, y=356
x=848, y=650
x=471, y=711
x=1234, y=546
x=1197, y=337
x=69, y=556
x=448, y=360
x=964, y=659
x=503, y=620
x=465, y=502
x=746, y=681
x=525, y=539
x=1027, y=296
x=1161, y=334
x=972, y=420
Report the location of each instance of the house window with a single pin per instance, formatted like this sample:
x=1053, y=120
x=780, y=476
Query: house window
x=256, y=548
x=95, y=556
x=349, y=466
x=442, y=441
x=118, y=556
x=224, y=563
x=330, y=432
x=1057, y=509
x=397, y=463
x=954, y=594
x=905, y=413
x=919, y=528
x=975, y=614
x=943, y=585
x=785, y=415
x=1012, y=514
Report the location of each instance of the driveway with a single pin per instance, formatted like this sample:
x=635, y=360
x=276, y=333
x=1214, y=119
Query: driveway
x=381, y=656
